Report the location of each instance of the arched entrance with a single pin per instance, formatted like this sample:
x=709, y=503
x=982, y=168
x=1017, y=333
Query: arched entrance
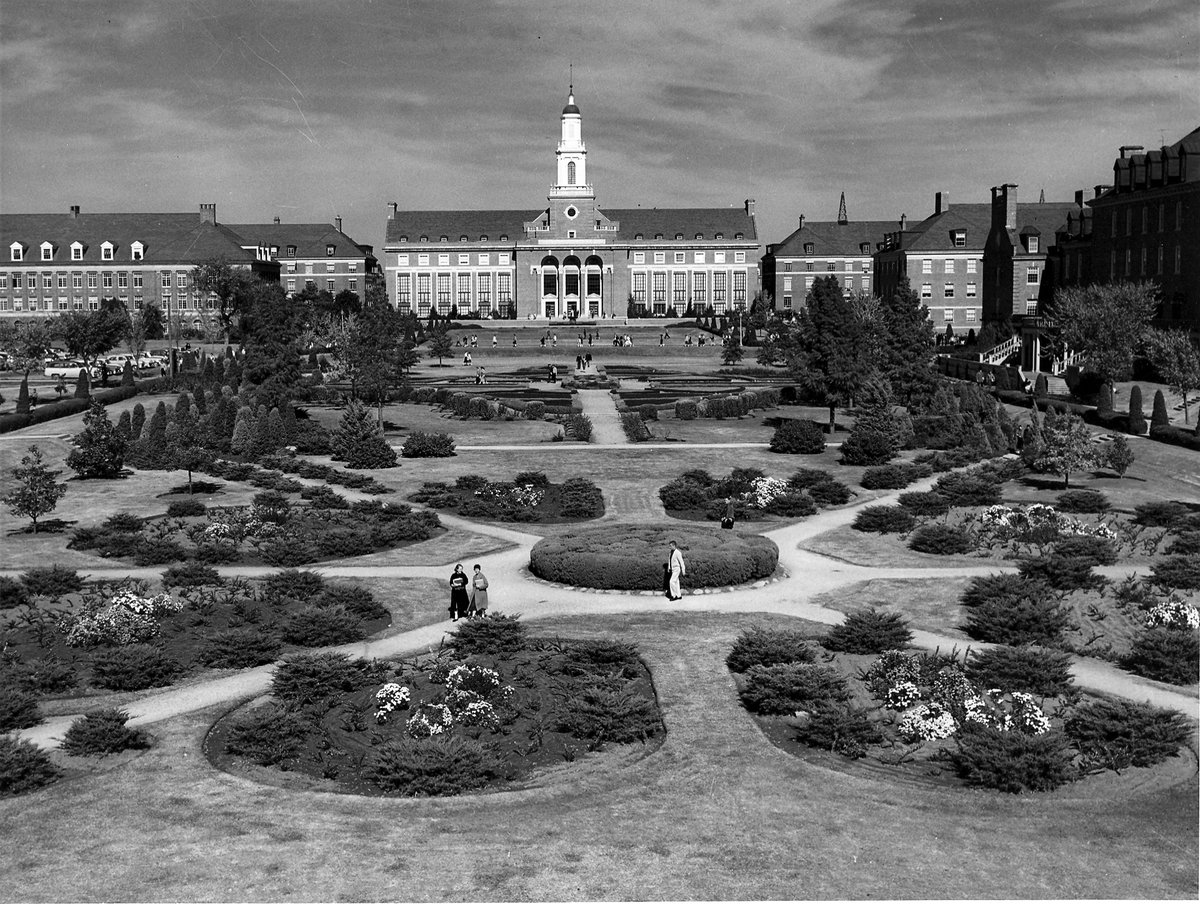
x=550, y=284
x=572, y=277
x=593, y=278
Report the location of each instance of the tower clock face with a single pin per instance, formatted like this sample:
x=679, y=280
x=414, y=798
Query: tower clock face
x=572, y=213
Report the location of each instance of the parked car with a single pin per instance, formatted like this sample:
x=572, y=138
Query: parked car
x=69, y=370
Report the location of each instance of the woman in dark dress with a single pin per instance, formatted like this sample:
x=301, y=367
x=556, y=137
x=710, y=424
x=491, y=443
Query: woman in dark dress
x=460, y=601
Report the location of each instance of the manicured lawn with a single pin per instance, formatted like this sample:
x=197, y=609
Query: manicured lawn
x=716, y=812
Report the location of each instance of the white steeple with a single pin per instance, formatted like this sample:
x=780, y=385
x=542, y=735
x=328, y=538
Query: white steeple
x=572, y=155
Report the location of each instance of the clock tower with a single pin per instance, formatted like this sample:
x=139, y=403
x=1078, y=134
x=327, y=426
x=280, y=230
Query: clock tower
x=572, y=156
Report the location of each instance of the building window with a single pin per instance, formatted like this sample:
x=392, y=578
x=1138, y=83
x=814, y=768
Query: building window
x=971, y=290
x=504, y=288
x=485, y=260
x=76, y=251
x=401, y=260
x=960, y=238
x=1145, y=219
x=1178, y=216
x=972, y=264
x=831, y=266
x=787, y=302
x=639, y=288
x=485, y=293
x=679, y=288
x=404, y=291
x=464, y=260
x=107, y=280
x=739, y=257
x=639, y=257
x=1162, y=218
x=810, y=248
x=1034, y=244
x=424, y=291
x=464, y=291
x=291, y=286
x=660, y=287
x=62, y=280
x=847, y=283
x=47, y=251
x=700, y=288
x=718, y=257
x=422, y=260
x=330, y=285
x=443, y=260
x=680, y=257
x=17, y=280
x=927, y=290
x=137, y=251
x=291, y=250
x=16, y=252
x=93, y=281
x=864, y=248
x=137, y=281
x=1128, y=261
x=502, y=257
x=698, y=258
x=660, y=257
x=787, y=284
x=927, y=265
x=866, y=266
x=809, y=265
x=76, y=280
x=329, y=249
x=948, y=290
x=948, y=315
x=122, y=280
x=1032, y=276
x=719, y=285
x=329, y=268
x=948, y=265
x=570, y=172
x=443, y=292
x=970, y=315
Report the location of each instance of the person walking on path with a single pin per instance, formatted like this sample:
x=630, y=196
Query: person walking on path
x=727, y=518
x=460, y=602
x=479, y=593
x=678, y=570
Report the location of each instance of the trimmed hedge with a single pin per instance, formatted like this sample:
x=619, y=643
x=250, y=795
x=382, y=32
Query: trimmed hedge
x=428, y=445
x=798, y=437
x=884, y=519
x=767, y=646
x=631, y=557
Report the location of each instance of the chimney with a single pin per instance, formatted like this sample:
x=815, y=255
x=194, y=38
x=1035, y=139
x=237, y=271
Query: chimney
x=337, y=221
x=74, y=211
x=277, y=221
x=395, y=209
x=941, y=202
x=749, y=207
x=208, y=214
x=903, y=221
x=801, y=221
x=1099, y=190
x=1130, y=148
x=1079, y=199
x=1010, y=205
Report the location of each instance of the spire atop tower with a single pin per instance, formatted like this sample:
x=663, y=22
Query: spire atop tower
x=842, y=218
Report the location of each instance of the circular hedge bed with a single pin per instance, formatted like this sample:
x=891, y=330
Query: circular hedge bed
x=631, y=557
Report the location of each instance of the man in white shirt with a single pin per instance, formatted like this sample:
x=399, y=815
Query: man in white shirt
x=678, y=570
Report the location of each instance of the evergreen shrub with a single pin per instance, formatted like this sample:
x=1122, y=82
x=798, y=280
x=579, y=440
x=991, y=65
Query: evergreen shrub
x=434, y=766
x=239, y=648
x=1062, y=572
x=840, y=728
x=1165, y=654
x=1178, y=572
x=884, y=519
x=305, y=680
x=193, y=574
x=941, y=540
x=1082, y=502
x=893, y=476
x=1170, y=515
x=18, y=707
x=868, y=631
x=1030, y=620
x=428, y=445
x=322, y=626
x=134, y=667
x=23, y=766
x=52, y=581
x=594, y=711
x=12, y=593
x=963, y=490
x=494, y=635
x=688, y=410
x=1029, y=670
x=797, y=437
x=1011, y=761
x=787, y=687
x=186, y=508
x=268, y=736
x=927, y=504
x=868, y=448
x=768, y=646
x=1137, y=419
x=1111, y=733
x=103, y=732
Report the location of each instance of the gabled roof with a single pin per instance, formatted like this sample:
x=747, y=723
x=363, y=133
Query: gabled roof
x=169, y=238
x=647, y=221
x=1044, y=220
x=936, y=233
x=310, y=239
x=831, y=238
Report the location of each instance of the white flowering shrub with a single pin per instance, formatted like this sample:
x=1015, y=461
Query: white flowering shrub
x=236, y=525
x=526, y=495
x=470, y=692
x=124, y=619
x=390, y=698
x=952, y=688
x=903, y=695
x=1173, y=613
x=1027, y=716
x=430, y=719
x=480, y=713
x=765, y=490
x=1008, y=522
x=927, y=722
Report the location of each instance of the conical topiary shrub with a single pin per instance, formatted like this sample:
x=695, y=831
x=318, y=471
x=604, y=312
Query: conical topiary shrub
x=83, y=385
x=127, y=373
x=1105, y=401
x=1137, y=419
x=23, y=396
x=1159, y=416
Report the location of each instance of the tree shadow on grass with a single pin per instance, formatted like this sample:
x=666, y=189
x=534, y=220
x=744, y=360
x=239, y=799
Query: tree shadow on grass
x=53, y=526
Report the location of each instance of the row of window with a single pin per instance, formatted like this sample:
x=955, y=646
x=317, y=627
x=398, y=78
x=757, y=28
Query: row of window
x=106, y=280
x=949, y=264
x=1128, y=268
x=330, y=285
x=832, y=266
x=503, y=259
x=682, y=294
x=181, y=302
x=638, y=237
x=290, y=267
x=680, y=257
x=847, y=283
x=16, y=251
x=948, y=290
x=469, y=291
x=1160, y=219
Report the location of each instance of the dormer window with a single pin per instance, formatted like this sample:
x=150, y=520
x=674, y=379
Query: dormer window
x=329, y=249
x=679, y=236
x=404, y=238
x=463, y=238
x=16, y=251
x=443, y=238
x=47, y=251
x=291, y=250
x=719, y=235
x=137, y=251
x=658, y=236
x=77, y=251
x=1034, y=243
x=274, y=251
x=638, y=237
x=699, y=235
x=424, y=238
x=960, y=238
x=810, y=248
x=483, y=238
x=106, y=251
x=739, y=235
x=504, y=238
x=864, y=247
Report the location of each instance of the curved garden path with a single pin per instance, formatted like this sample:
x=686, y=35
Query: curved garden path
x=805, y=575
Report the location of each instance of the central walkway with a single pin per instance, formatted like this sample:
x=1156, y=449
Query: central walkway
x=598, y=405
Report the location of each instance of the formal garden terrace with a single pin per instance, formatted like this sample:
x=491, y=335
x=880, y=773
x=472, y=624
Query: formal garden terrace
x=945, y=651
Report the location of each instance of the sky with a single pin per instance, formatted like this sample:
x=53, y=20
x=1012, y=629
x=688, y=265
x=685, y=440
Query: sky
x=311, y=109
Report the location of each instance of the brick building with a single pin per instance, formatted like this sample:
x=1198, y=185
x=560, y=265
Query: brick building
x=942, y=256
x=72, y=261
x=572, y=257
x=838, y=248
x=319, y=255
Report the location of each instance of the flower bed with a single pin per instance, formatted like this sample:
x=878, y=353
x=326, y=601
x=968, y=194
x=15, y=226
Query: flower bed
x=697, y=496
x=119, y=636
x=631, y=557
x=528, y=497
x=474, y=716
x=927, y=717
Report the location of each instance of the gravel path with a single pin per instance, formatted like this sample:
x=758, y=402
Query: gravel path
x=598, y=405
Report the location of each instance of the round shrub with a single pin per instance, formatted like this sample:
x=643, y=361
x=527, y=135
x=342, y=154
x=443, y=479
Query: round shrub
x=186, y=508
x=193, y=574
x=1115, y=734
x=941, y=540
x=1186, y=543
x=1165, y=654
x=268, y=736
x=868, y=447
x=53, y=581
x=1161, y=514
x=12, y=593
x=893, y=476
x=884, y=519
x=429, y=445
x=1082, y=502
x=1096, y=550
x=291, y=584
x=768, y=646
x=966, y=490
x=1062, y=572
x=134, y=667
x=322, y=626
x=23, y=766
x=308, y=679
x=840, y=728
x=798, y=437
x=791, y=504
x=1178, y=572
x=123, y=523
x=927, y=504
x=630, y=557
x=103, y=732
x=157, y=552
x=868, y=631
x=18, y=708
x=790, y=686
x=1012, y=761
x=806, y=478
x=1031, y=620
x=239, y=648
x=831, y=492
x=1030, y=670
x=432, y=766
x=356, y=600
x=597, y=712
x=1004, y=590
x=495, y=635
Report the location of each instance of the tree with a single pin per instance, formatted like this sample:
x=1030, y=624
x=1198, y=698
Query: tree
x=186, y=438
x=360, y=442
x=1066, y=446
x=243, y=432
x=908, y=344
x=152, y=322
x=875, y=438
x=1175, y=356
x=127, y=373
x=1159, y=416
x=37, y=492
x=231, y=286
x=89, y=334
x=731, y=351
x=83, y=389
x=100, y=447
x=1137, y=419
x=272, y=329
x=1106, y=324
x=23, y=396
x=831, y=359
x=28, y=344
x=440, y=345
